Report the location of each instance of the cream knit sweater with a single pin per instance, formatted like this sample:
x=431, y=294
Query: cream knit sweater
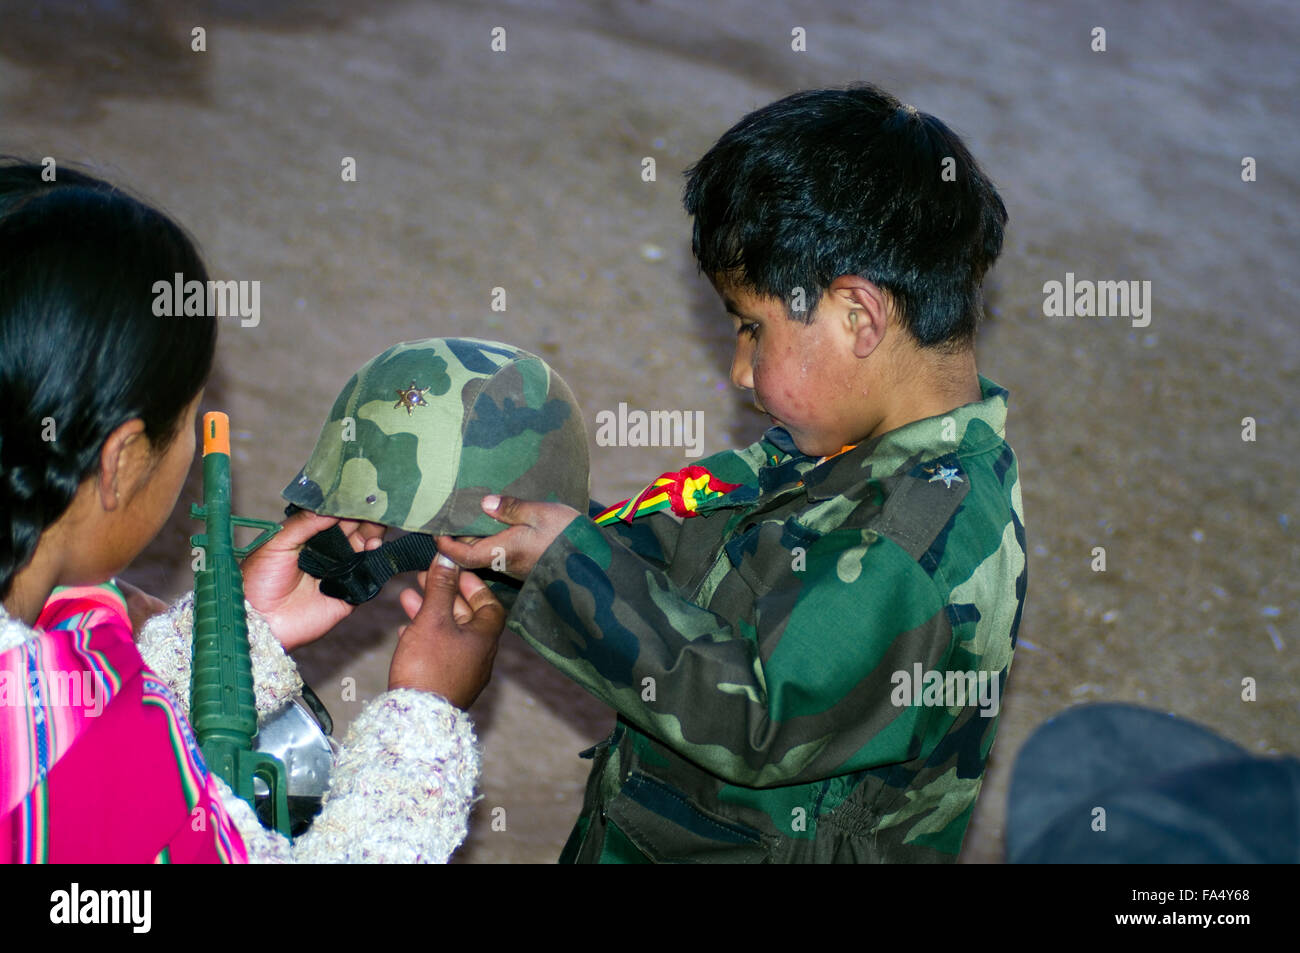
x=402, y=788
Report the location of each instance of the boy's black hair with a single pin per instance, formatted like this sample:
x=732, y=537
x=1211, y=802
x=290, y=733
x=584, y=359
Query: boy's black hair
x=835, y=182
x=81, y=351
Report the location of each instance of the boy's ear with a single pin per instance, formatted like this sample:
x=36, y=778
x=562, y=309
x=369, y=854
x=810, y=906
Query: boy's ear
x=864, y=308
x=118, y=462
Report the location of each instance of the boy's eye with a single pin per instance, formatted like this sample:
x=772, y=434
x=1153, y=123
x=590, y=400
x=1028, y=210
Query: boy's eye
x=750, y=329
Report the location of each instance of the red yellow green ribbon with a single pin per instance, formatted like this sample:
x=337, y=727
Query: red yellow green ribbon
x=682, y=491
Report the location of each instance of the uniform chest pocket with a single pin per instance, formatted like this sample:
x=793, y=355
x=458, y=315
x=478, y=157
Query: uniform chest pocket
x=764, y=554
x=665, y=825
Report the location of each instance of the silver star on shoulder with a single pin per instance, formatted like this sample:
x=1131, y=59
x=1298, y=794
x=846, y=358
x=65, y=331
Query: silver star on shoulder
x=949, y=475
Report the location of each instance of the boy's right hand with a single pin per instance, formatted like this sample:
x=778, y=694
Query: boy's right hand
x=452, y=640
x=533, y=526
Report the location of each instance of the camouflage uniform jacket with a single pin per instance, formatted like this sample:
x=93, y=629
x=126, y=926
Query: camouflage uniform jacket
x=753, y=652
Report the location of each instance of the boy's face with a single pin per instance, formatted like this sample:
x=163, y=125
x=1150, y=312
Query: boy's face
x=806, y=378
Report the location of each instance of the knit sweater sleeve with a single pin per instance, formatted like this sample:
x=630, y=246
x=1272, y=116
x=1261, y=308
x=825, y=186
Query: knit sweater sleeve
x=403, y=785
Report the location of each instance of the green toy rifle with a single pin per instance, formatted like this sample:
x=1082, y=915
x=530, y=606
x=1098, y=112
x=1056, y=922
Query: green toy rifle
x=222, y=705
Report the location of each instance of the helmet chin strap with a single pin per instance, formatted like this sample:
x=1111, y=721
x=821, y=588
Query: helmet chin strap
x=356, y=577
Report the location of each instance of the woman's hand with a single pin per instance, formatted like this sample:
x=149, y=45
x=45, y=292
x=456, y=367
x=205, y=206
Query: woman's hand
x=288, y=598
x=452, y=640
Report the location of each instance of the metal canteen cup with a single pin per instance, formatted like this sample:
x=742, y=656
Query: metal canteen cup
x=296, y=736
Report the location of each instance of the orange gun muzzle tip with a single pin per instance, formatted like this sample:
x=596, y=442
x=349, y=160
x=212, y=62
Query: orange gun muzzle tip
x=216, y=433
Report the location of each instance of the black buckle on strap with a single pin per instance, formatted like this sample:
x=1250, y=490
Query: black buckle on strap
x=357, y=577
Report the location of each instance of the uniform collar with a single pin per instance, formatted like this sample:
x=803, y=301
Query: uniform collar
x=974, y=428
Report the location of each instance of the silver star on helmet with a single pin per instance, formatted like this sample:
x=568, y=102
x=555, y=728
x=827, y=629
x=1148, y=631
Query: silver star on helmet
x=410, y=398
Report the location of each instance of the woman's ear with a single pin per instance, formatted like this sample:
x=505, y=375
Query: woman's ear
x=121, y=462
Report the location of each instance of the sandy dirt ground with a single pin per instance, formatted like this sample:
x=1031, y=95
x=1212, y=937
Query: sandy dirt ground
x=522, y=170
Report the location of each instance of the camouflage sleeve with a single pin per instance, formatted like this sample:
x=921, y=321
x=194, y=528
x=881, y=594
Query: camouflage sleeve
x=653, y=537
x=804, y=692
x=506, y=591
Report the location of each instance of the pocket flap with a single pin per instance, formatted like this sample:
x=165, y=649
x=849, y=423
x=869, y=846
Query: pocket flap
x=665, y=825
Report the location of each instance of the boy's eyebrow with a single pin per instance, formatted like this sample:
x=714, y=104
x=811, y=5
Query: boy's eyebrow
x=732, y=308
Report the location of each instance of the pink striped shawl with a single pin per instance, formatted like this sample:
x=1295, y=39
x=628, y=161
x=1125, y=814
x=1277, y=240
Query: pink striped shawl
x=97, y=762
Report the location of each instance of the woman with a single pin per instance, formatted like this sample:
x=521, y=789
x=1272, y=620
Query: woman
x=98, y=397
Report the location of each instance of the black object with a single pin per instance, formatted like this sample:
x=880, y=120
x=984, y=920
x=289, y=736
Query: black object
x=1172, y=792
x=356, y=577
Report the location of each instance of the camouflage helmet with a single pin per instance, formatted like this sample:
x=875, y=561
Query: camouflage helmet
x=423, y=431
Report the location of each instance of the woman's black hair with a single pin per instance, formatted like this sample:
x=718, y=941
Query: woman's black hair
x=833, y=182
x=81, y=349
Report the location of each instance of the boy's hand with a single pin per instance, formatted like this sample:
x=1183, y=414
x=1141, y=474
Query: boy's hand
x=452, y=640
x=289, y=599
x=514, y=551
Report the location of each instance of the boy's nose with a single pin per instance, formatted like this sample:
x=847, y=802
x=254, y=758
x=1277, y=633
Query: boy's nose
x=742, y=369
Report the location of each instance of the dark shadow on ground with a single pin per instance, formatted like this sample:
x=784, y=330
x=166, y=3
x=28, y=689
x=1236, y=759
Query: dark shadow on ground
x=83, y=53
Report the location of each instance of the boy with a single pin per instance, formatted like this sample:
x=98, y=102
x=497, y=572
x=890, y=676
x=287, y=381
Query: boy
x=807, y=664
